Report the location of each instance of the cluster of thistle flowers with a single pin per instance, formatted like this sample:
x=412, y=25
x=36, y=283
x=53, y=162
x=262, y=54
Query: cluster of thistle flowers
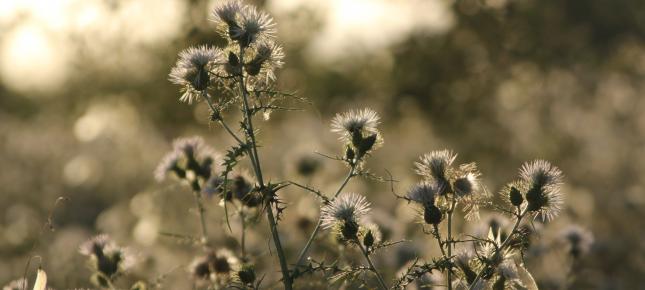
x=491, y=261
x=222, y=268
x=194, y=162
x=251, y=52
x=344, y=216
x=107, y=261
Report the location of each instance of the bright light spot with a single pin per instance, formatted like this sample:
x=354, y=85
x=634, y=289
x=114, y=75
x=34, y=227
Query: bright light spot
x=30, y=61
x=81, y=169
x=146, y=231
x=368, y=25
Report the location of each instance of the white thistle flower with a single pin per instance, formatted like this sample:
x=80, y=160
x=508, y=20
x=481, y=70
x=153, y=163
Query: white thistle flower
x=423, y=193
x=543, y=196
x=168, y=163
x=364, y=121
x=192, y=70
x=435, y=166
x=243, y=23
x=541, y=173
x=268, y=57
x=349, y=207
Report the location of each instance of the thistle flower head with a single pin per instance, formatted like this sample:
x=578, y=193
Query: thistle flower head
x=358, y=130
x=188, y=155
x=465, y=181
x=435, y=166
x=349, y=207
x=243, y=23
x=192, y=70
x=268, y=57
x=216, y=266
x=362, y=121
x=106, y=256
x=578, y=239
x=543, y=197
x=423, y=193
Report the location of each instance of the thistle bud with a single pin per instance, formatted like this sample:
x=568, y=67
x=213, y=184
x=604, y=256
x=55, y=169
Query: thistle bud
x=246, y=274
x=432, y=215
x=349, y=229
x=366, y=144
x=535, y=199
x=368, y=240
x=515, y=197
x=349, y=154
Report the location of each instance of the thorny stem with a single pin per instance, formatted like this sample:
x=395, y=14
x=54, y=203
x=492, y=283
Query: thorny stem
x=438, y=237
x=520, y=214
x=369, y=261
x=286, y=278
x=202, y=218
x=449, y=240
x=304, y=250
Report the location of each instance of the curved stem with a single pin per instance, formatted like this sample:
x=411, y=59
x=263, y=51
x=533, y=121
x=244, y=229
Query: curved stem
x=286, y=277
x=304, y=250
x=520, y=215
x=369, y=261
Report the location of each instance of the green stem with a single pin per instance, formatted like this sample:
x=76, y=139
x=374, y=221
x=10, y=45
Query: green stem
x=202, y=218
x=243, y=237
x=286, y=277
x=369, y=262
x=304, y=250
x=520, y=215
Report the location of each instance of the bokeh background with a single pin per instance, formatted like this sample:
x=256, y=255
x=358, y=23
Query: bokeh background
x=86, y=112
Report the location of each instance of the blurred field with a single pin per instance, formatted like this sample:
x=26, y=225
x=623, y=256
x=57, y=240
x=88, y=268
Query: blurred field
x=86, y=112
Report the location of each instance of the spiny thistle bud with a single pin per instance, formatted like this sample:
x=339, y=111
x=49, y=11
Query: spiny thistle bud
x=349, y=230
x=233, y=66
x=349, y=154
x=246, y=274
x=432, y=215
x=515, y=196
x=368, y=240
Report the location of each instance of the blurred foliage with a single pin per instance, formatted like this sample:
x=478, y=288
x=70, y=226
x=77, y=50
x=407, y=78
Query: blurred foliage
x=509, y=81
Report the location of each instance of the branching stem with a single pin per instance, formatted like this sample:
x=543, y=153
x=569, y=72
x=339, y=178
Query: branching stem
x=369, y=261
x=304, y=250
x=286, y=277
